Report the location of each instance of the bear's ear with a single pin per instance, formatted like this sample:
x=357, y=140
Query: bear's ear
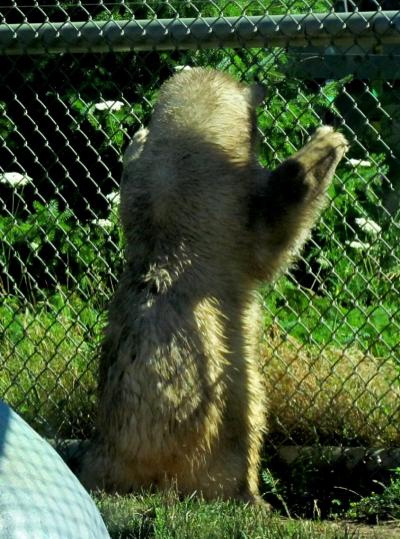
x=256, y=94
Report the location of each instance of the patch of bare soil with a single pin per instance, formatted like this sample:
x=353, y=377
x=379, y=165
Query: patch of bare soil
x=386, y=530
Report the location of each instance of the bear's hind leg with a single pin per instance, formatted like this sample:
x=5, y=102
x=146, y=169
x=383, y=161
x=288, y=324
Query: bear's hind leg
x=102, y=470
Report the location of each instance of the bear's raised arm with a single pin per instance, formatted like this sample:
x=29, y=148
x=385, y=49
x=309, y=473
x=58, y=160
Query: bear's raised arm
x=287, y=202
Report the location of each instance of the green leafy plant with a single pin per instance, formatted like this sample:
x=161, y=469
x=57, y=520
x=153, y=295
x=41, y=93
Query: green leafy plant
x=383, y=505
x=49, y=247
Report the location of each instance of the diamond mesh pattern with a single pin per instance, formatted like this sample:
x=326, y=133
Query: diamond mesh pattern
x=332, y=325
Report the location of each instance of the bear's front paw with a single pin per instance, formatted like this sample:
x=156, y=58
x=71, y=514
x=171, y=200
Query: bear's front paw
x=320, y=157
x=136, y=146
x=305, y=176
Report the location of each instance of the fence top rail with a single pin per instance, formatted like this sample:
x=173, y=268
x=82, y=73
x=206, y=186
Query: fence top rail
x=316, y=29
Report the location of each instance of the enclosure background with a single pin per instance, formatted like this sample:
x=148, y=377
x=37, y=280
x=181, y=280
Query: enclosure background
x=330, y=351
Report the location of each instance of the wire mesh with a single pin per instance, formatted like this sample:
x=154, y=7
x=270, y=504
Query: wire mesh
x=332, y=325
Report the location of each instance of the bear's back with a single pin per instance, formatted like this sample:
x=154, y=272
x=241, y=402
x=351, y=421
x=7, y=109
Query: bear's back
x=185, y=189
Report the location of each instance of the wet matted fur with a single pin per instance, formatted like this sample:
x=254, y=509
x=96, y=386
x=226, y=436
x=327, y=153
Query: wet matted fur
x=181, y=399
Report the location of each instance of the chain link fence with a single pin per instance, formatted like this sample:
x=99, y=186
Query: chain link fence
x=79, y=78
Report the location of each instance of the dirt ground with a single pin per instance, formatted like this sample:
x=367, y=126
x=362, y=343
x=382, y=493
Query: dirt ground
x=386, y=530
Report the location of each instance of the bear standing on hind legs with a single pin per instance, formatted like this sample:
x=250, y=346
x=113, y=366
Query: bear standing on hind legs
x=181, y=399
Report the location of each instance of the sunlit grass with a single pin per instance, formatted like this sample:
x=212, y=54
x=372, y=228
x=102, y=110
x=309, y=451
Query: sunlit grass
x=165, y=517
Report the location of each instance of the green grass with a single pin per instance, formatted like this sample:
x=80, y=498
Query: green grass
x=320, y=320
x=47, y=359
x=164, y=517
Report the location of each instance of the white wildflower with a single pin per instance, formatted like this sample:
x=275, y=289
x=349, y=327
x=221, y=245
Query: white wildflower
x=359, y=163
x=104, y=223
x=359, y=245
x=369, y=226
x=109, y=105
x=113, y=198
x=15, y=179
x=182, y=68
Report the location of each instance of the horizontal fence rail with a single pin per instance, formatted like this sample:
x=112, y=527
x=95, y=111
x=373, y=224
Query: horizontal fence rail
x=361, y=28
